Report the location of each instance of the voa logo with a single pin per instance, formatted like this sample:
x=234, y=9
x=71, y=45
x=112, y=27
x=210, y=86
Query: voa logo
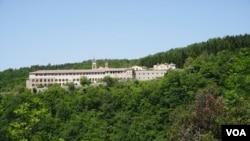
x=236, y=132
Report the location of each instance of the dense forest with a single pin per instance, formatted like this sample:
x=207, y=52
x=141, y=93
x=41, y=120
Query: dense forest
x=212, y=46
x=211, y=88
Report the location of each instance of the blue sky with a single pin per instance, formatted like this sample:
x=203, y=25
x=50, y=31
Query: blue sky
x=56, y=31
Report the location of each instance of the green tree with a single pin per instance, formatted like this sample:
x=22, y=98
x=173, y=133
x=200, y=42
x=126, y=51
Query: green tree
x=84, y=81
x=110, y=81
x=19, y=89
x=208, y=107
x=31, y=121
x=71, y=86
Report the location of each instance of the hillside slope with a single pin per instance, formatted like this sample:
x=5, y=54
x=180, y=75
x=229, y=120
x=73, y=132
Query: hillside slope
x=188, y=104
x=14, y=79
x=212, y=46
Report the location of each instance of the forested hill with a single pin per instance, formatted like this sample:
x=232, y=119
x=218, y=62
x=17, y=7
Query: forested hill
x=212, y=46
x=15, y=78
x=189, y=104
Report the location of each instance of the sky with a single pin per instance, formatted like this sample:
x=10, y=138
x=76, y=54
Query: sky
x=39, y=32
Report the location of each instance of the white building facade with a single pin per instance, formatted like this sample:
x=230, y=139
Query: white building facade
x=164, y=66
x=62, y=77
x=149, y=74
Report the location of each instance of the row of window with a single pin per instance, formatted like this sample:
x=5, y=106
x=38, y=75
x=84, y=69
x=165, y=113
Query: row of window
x=66, y=74
x=52, y=80
x=146, y=78
x=84, y=73
x=58, y=81
x=63, y=80
x=149, y=73
x=37, y=85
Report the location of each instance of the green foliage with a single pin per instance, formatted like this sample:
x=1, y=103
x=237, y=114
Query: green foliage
x=84, y=81
x=31, y=121
x=40, y=86
x=200, y=121
x=110, y=81
x=71, y=86
x=182, y=57
x=212, y=46
x=186, y=104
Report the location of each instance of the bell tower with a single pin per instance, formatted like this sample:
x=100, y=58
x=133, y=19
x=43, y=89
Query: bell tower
x=94, y=64
x=106, y=64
